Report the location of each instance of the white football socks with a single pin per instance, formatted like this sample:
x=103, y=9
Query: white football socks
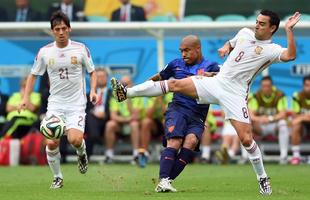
x=148, y=89
x=206, y=152
x=53, y=159
x=255, y=157
x=81, y=150
x=283, y=139
x=296, y=151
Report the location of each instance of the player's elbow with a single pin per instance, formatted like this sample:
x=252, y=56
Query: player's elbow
x=289, y=57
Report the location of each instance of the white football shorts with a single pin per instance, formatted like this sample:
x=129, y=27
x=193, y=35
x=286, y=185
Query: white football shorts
x=73, y=118
x=211, y=90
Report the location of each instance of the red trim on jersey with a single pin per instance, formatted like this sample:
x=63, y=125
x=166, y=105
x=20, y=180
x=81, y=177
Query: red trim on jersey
x=76, y=43
x=46, y=46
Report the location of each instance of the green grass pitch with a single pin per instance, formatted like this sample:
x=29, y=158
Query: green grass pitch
x=122, y=181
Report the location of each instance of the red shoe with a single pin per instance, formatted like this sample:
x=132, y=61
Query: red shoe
x=295, y=161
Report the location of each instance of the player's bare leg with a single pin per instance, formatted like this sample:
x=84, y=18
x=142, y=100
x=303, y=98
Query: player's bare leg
x=154, y=88
x=245, y=135
x=53, y=159
x=76, y=139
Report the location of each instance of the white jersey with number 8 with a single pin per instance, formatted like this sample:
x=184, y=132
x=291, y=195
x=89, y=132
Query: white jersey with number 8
x=249, y=57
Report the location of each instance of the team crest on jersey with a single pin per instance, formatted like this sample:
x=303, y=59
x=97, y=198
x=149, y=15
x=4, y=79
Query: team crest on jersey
x=200, y=72
x=51, y=61
x=74, y=60
x=258, y=50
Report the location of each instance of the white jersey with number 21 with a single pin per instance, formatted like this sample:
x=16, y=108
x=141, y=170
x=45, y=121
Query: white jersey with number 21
x=66, y=70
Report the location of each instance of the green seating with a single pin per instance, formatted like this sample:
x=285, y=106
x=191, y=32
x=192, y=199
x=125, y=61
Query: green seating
x=230, y=17
x=162, y=18
x=96, y=18
x=197, y=18
x=304, y=17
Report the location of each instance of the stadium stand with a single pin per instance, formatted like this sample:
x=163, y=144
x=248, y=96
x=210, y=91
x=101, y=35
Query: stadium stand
x=200, y=18
x=163, y=18
x=230, y=17
x=95, y=18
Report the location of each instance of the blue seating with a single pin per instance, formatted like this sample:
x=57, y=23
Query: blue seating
x=230, y=17
x=97, y=18
x=197, y=18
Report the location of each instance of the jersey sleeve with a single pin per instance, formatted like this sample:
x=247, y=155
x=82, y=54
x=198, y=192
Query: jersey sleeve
x=276, y=52
x=213, y=67
x=167, y=72
x=234, y=40
x=39, y=67
x=87, y=60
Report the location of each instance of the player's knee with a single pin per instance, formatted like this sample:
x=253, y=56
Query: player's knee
x=76, y=140
x=52, y=144
x=190, y=142
x=174, y=143
x=246, y=139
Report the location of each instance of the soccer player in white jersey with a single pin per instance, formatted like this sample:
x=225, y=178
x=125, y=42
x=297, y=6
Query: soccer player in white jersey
x=65, y=62
x=249, y=52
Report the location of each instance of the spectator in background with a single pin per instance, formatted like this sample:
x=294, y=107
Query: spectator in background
x=124, y=119
x=24, y=12
x=268, y=108
x=301, y=118
x=128, y=12
x=4, y=15
x=98, y=114
x=3, y=113
x=152, y=124
x=68, y=7
x=230, y=144
x=18, y=124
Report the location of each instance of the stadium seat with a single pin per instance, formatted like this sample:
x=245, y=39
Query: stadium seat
x=162, y=18
x=252, y=18
x=230, y=17
x=197, y=18
x=304, y=17
x=96, y=18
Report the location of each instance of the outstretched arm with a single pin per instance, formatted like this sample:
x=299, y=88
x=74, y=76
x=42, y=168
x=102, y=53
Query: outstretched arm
x=225, y=50
x=290, y=53
x=28, y=90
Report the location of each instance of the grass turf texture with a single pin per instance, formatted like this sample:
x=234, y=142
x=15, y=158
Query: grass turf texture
x=130, y=182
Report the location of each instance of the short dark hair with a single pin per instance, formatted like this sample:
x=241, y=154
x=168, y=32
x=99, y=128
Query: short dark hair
x=306, y=78
x=274, y=18
x=57, y=17
x=266, y=78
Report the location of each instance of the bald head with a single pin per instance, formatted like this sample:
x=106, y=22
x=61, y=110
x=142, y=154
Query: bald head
x=191, y=40
x=190, y=48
